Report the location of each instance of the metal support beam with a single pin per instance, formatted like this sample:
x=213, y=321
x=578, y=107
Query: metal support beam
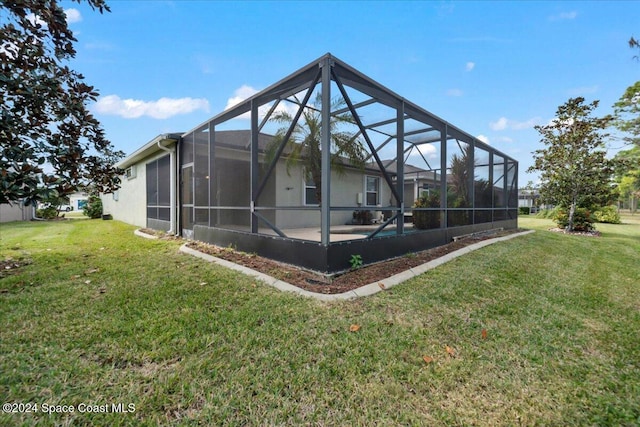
x=267, y=116
x=383, y=225
x=358, y=105
x=255, y=131
x=258, y=215
x=443, y=176
x=400, y=168
x=471, y=178
x=284, y=141
x=356, y=118
x=325, y=162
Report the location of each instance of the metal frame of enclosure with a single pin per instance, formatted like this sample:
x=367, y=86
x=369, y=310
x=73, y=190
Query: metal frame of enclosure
x=232, y=193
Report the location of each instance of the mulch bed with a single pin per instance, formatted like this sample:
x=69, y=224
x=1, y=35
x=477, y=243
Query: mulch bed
x=343, y=282
x=593, y=233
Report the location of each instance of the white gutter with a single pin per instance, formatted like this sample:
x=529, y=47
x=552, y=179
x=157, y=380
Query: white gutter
x=173, y=229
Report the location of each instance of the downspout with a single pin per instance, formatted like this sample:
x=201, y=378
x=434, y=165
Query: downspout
x=173, y=229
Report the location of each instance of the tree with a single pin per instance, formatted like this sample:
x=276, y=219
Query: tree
x=574, y=170
x=50, y=144
x=304, y=145
x=627, y=114
x=627, y=165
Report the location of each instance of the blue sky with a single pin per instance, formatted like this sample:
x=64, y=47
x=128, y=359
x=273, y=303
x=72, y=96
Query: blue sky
x=494, y=69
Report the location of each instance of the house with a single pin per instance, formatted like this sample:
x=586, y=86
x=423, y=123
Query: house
x=149, y=169
x=228, y=181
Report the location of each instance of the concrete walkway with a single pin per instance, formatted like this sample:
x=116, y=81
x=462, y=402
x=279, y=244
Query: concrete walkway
x=362, y=291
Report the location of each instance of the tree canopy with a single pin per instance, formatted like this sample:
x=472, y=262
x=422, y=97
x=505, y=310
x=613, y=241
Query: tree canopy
x=51, y=144
x=574, y=169
x=627, y=112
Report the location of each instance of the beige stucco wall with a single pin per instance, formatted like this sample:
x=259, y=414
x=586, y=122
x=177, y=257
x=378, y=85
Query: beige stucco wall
x=15, y=212
x=344, y=190
x=131, y=203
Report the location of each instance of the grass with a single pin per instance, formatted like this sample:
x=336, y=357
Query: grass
x=100, y=316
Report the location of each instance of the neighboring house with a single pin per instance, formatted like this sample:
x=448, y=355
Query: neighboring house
x=224, y=183
x=15, y=212
x=78, y=200
x=528, y=198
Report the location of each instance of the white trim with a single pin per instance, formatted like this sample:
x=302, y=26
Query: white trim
x=304, y=192
x=366, y=201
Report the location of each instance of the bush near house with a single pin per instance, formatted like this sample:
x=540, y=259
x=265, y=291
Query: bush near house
x=607, y=214
x=50, y=212
x=424, y=220
x=93, y=208
x=524, y=210
x=582, y=219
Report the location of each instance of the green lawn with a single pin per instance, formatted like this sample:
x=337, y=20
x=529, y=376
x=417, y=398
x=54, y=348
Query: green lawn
x=103, y=317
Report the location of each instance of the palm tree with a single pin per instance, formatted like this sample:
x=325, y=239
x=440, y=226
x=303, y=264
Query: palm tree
x=304, y=146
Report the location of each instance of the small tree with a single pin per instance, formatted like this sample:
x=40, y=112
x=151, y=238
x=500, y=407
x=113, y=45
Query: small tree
x=574, y=169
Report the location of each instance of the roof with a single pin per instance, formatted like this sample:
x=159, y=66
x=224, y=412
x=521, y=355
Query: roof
x=150, y=148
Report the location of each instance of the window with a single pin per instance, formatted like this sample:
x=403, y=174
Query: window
x=310, y=196
x=372, y=190
x=159, y=189
x=130, y=172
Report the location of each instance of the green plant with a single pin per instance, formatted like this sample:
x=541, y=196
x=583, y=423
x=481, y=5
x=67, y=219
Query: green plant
x=49, y=212
x=524, y=210
x=547, y=213
x=355, y=261
x=424, y=220
x=582, y=219
x=607, y=214
x=93, y=208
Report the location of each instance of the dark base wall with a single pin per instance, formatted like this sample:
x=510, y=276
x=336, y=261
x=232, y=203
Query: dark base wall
x=314, y=256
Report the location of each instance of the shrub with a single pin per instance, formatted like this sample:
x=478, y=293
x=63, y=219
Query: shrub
x=47, y=213
x=524, y=210
x=548, y=213
x=93, y=208
x=607, y=214
x=582, y=219
x=424, y=220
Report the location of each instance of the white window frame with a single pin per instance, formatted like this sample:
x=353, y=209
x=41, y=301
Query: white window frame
x=130, y=172
x=306, y=186
x=366, y=191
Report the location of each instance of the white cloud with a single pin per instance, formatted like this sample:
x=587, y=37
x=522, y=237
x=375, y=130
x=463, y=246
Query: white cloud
x=470, y=66
x=563, y=16
x=505, y=139
x=427, y=150
x=246, y=91
x=528, y=124
x=483, y=139
x=163, y=108
x=73, y=15
x=455, y=92
x=503, y=123
x=239, y=95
